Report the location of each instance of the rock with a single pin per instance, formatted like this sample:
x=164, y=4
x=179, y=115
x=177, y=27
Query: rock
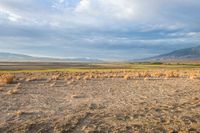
x=78, y=96
x=121, y=117
x=93, y=106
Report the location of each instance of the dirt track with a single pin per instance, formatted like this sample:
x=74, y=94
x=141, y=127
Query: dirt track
x=101, y=105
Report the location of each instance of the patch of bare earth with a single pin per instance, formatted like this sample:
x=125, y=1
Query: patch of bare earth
x=62, y=105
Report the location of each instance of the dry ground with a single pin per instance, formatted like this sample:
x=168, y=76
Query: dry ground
x=56, y=104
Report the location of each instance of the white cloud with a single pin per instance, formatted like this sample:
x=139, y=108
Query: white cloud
x=84, y=5
x=97, y=13
x=119, y=9
x=9, y=14
x=61, y=1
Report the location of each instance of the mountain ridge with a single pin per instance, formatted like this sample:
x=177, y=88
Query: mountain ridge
x=5, y=56
x=192, y=53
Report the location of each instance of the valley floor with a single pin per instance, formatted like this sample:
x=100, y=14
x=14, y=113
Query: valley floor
x=101, y=105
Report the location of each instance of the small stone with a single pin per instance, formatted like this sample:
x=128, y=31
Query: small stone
x=93, y=106
x=78, y=96
x=121, y=117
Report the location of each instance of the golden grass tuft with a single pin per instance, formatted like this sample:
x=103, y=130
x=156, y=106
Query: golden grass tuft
x=71, y=82
x=1, y=89
x=52, y=85
x=15, y=90
x=193, y=77
x=55, y=77
x=31, y=79
x=146, y=78
x=127, y=77
x=147, y=74
x=170, y=74
x=86, y=77
x=158, y=74
x=6, y=78
x=78, y=77
x=19, y=113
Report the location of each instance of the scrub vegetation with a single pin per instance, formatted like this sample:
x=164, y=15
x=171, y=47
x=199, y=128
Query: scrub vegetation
x=105, y=98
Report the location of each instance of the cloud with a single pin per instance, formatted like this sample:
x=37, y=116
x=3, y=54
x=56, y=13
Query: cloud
x=9, y=15
x=119, y=9
x=109, y=29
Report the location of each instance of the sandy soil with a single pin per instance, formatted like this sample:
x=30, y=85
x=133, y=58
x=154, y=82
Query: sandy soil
x=101, y=105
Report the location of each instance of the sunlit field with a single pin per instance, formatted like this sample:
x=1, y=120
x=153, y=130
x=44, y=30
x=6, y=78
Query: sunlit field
x=99, y=66
x=105, y=97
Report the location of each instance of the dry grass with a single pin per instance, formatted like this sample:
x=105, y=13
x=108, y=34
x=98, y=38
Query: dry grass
x=193, y=77
x=71, y=82
x=55, y=77
x=14, y=90
x=78, y=78
x=124, y=95
x=87, y=77
x=146, y=78
x=6, y=78
x=127, y=77
x=19, y=113
x=31, y=79
x=1, y=89
x=72, y=77
x=53, y=84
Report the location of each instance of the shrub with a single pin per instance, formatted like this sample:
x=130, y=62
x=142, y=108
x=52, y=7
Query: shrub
x=6, y=78
x=55, y=77
x=127, y=77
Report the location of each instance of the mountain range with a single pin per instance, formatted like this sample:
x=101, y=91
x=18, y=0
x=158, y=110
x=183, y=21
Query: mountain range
x=182, y=54
x=192, y=53
x=21, y=57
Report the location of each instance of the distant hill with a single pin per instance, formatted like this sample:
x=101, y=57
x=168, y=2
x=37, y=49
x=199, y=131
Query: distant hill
x=11, y=57
x=20, y=57
x=182, y=54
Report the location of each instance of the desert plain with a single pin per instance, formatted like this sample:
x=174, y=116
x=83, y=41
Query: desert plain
x=102, y=98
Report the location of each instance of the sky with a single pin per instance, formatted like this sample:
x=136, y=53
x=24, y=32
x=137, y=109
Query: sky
x=100, y=29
